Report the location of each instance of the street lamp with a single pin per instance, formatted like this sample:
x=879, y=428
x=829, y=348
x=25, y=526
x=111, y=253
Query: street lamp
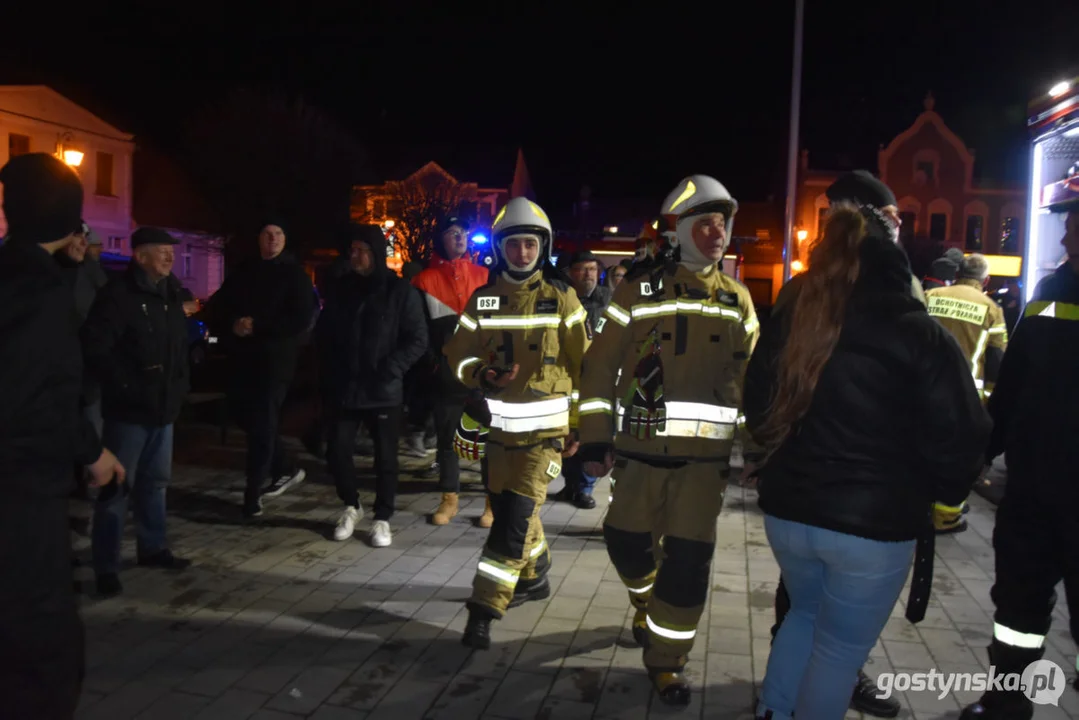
x=1060, y=88
x=389, y=224
x=802, y=235
x=67, y=151
x=792, y=139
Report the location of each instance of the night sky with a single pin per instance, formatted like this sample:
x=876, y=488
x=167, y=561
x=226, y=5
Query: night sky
x=625, y=101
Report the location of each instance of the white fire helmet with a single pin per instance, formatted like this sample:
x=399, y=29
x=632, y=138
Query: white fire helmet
x=521, y=217
x=697, y=195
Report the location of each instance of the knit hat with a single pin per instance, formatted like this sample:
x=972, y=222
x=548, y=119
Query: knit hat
x=860, y=188
x=42, y=199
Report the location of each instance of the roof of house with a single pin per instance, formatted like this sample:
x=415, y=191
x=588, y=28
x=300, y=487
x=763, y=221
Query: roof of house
x=487, y=166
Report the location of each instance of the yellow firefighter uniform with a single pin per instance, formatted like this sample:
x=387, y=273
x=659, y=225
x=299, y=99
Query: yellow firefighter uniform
x=534, y=321
x=977, y=323
x=663, y=380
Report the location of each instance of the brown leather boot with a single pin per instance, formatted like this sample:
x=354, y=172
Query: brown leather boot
x=447, y=510
x=488, y=518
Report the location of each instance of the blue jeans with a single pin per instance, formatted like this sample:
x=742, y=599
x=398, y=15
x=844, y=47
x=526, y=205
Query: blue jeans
x=146, y=454
x=842, y=590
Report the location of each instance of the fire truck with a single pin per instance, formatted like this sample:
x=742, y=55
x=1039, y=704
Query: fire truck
x=1054, y=167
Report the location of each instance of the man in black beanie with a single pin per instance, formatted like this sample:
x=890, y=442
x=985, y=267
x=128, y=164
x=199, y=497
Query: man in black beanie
x=263, y=309
x=42, y=434
x=943, y=270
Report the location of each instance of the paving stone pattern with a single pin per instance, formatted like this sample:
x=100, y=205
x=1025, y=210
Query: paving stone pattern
x=276, y=621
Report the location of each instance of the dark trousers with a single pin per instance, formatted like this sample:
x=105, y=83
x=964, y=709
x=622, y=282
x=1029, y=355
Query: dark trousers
x=258, y=412
x=384, y=426
x=447, y=417
x=41, y=636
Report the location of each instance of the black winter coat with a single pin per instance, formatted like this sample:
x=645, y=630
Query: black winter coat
x=371, y=331
x=135, y=342
x=277, y=295
x=42, y=430
x=895, y=422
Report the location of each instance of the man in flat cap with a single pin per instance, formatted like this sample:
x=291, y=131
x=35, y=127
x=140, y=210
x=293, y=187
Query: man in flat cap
x=135, y=342
x=42, y=434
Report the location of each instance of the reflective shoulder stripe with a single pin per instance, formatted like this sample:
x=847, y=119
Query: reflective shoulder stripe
x=617, y=314
x=464, y=365
x=1001, y=329
x=751, y=324
x=576, y=317
x=1018, y=639
x=1058, y=310
x=467, y=323
x=520, y=322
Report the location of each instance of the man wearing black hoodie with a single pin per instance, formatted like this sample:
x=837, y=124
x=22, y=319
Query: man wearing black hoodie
x=265, y=307
x=42, y=434
x=370, y=333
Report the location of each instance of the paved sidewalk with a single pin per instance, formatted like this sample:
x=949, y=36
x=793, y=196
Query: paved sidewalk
x=275, y=621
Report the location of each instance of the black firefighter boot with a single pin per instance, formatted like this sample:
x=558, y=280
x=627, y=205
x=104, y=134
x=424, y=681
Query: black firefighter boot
x=478, y=628
x=538, y=589
x=865, y=700
x=1005, y=704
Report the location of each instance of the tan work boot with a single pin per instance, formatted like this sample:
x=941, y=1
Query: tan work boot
x=488, y=518
x=447, y=510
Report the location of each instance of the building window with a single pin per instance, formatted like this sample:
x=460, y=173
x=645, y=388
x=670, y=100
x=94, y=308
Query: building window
x=378, y=210
x=115, y=243
x=938, y=226
x=929, y=168
x=906, y=227
x=974, y=232
x=17, y=145
x=105, y=174
x=187, y=262
x=1009, y=235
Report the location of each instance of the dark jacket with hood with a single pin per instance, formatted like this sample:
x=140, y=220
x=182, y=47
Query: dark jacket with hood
x=135, y=342
x=279, y=298
x=371, y=331
x=895, y=422
x=42, y=431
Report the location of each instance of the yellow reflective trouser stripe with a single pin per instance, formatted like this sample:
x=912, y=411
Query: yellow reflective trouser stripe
x=501, y=574
x=594, y=406
x=671, y=633
x=1058, y=310
x=617, y=314
x=522, y=322
x=464, y=365
x=536, y=551
x=1017, y=639
x=640, y=590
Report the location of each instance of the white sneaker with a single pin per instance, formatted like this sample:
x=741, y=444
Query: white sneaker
x=346, y=524
x=414, y=446
x=380, y=534
x=283, y=483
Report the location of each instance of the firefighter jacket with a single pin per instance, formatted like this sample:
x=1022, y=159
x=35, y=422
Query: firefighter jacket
x=664, y=376
x=977, y=323
x=1033, y=406
x=538, y=324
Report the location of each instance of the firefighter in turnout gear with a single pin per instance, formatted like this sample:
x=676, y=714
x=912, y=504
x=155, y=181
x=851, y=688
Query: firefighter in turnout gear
x=660, y=398
x=974, y=319
x=520, y=339
x=1035, y=424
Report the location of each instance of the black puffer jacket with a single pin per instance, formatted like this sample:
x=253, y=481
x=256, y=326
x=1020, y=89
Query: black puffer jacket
x=371, y=331
x=135, y=343
x=894, y=425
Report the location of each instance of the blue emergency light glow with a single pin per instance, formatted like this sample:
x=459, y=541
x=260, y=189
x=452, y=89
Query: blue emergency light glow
x=479, y=239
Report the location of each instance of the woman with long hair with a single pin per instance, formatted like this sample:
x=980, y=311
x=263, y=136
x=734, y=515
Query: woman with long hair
x=869, y=415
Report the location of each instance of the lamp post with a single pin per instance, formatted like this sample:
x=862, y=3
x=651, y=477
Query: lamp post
x=792, y=141
x=67, y=151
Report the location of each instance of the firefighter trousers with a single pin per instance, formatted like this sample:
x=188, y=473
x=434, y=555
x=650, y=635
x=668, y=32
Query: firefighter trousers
x=661, y=532
x=1035, y=545
x=516, y=551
